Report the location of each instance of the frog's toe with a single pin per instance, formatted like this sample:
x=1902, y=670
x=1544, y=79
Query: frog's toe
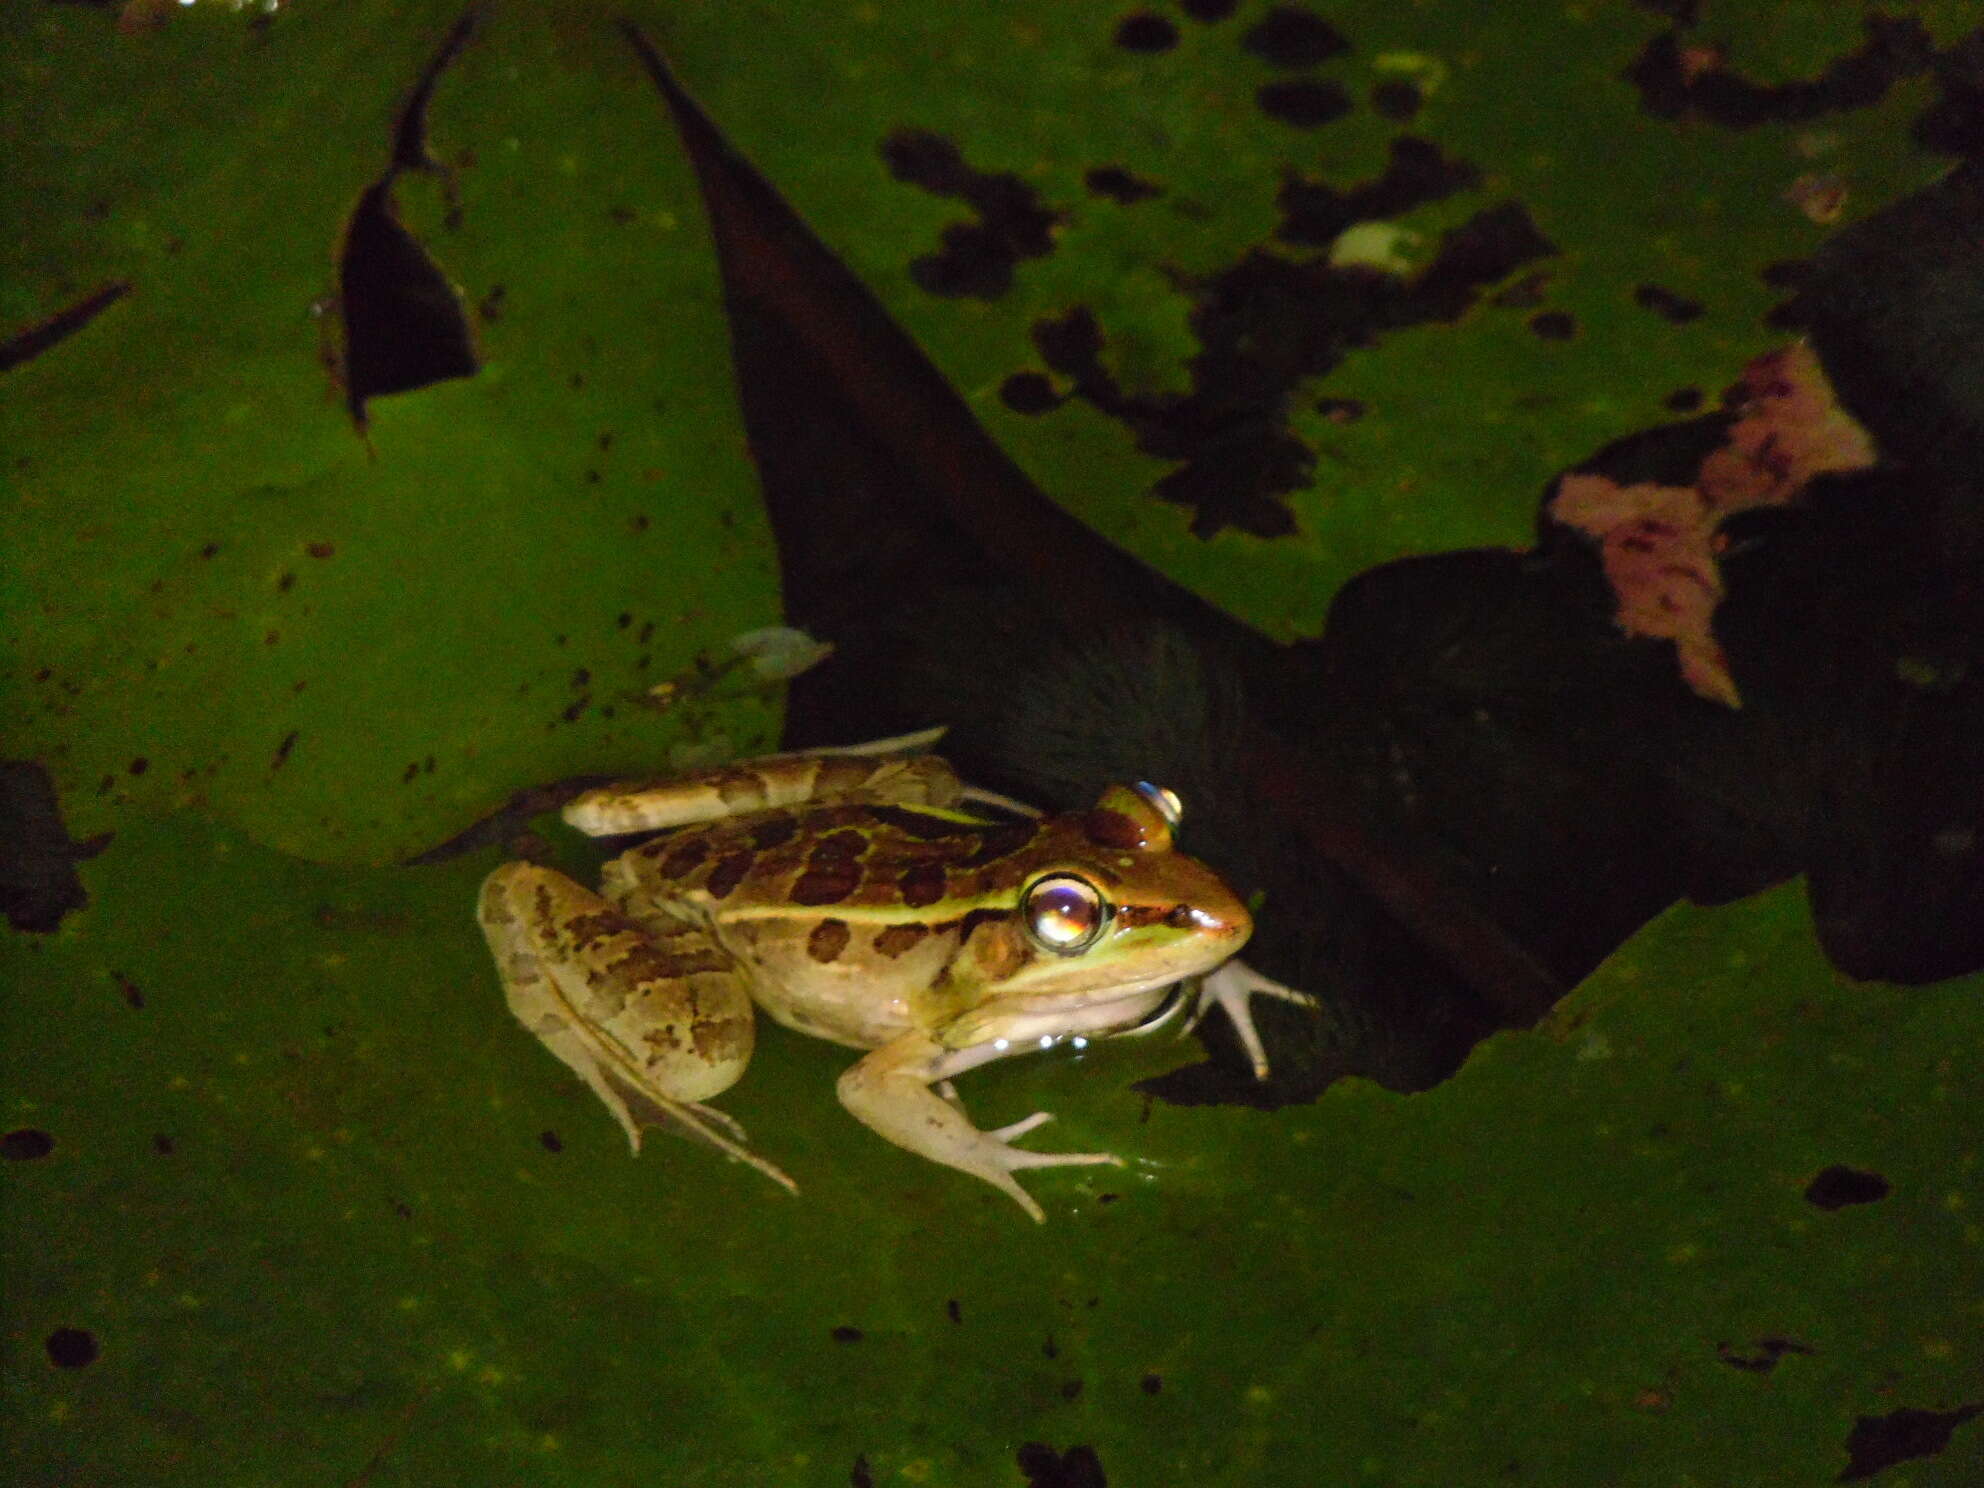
x=1021, y=1128
x=997, y=1160
x=1230, y=988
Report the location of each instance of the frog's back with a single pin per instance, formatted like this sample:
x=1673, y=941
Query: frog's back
x=867, y=862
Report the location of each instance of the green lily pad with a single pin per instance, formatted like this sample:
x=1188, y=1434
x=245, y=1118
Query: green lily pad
x=992, y=172
x=302, y=1192
x=226, y=595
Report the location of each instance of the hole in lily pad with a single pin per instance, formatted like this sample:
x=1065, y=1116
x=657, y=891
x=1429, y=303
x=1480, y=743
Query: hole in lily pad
x=1145, y=32
x=1879, y=1442
x=403, y=322
x=26, y=1144
x=1303, y=105
x=404, y=326
x=71, y=1348
x=1078, y=1467
x=1839, y=1186
x=1291, y=37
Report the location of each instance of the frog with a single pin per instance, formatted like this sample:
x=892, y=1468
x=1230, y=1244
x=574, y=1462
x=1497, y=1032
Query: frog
x=868, y=897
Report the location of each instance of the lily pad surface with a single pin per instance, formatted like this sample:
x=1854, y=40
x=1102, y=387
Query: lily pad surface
x=227, y=595
x=288, y=1185
x=1336, y=283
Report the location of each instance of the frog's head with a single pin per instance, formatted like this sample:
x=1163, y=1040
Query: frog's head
x=1105, y=909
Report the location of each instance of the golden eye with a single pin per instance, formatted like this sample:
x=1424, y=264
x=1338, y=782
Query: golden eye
x=1063, y=915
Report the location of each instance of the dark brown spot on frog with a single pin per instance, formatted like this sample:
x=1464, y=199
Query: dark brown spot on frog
x=662, y=1040
x=728, y=874
x=899, y=940
x=773, y=832
x=1107, y=828
x=922, y=885
x=999, y=952
x=835, y=846
x=673, y=964
x=828, y=940
x=826, y=882
x=719, y=1039
x=684, y=858
x=590, y=929
x=997, y=842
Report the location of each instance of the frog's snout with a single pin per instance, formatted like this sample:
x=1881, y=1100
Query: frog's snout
x=1222, y=918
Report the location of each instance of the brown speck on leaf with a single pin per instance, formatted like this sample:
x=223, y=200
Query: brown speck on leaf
x=1119, y=185
x=1820, y=195
x=638, y=522
x=321, y=549
x=285, y=583
x=282, y=750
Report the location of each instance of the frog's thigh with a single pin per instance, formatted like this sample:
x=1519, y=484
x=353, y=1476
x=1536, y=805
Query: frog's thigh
x=637, y=1015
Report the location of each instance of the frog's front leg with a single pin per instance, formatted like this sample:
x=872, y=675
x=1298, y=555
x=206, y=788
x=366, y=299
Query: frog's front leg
x=1229, y=987
x=653, y=1017
x=890, y=1092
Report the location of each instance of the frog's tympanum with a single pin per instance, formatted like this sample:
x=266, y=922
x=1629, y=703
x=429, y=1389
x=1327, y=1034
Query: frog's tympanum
x=857, y=898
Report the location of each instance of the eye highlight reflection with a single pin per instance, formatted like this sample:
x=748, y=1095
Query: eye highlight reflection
x=1063, y=914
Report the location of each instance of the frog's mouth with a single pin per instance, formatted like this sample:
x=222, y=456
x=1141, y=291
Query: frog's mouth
x=1176, y=1000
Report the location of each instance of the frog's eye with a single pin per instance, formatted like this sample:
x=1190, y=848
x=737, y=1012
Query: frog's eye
x=1063, y=914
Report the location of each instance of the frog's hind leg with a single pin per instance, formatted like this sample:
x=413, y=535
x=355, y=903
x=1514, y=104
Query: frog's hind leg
x=652, y=1018
x=899, y=778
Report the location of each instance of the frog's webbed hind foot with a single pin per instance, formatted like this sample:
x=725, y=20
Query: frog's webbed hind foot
x=696, y=1121
x=890, y=1092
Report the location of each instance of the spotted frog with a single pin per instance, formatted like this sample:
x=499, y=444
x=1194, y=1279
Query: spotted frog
x=867, y=899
